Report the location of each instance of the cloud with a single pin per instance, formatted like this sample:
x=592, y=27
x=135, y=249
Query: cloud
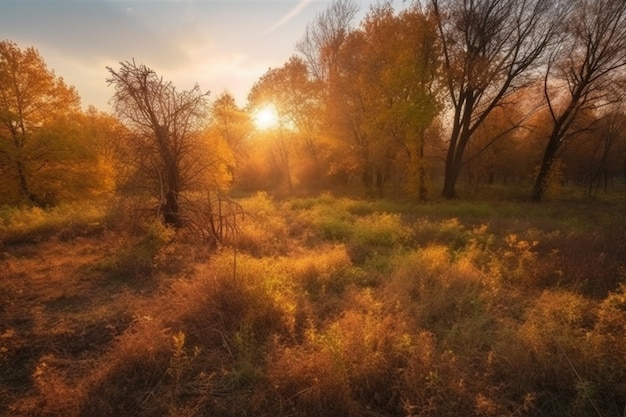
x=95, y=30
x=232, y=72
x=214, y=42
x=292, y=13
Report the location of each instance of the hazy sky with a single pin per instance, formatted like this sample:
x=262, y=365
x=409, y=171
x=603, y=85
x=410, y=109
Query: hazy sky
x=223, y=45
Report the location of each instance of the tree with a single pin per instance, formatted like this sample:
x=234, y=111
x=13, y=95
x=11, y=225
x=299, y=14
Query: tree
x=233, y=125
x=166, y=126
x=494, y=151
x=88, y=169
x=321, y=47
x=582, y=73
x=489, y=47
x=296, y=98
x=383, y=100
x=594, y=156
x=36, y=143
x=409, y=76
x=324, y=37
x=608, y=154
x=424, y=106
x=108, y=135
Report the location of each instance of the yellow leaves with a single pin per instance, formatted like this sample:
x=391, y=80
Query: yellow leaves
x=214, y=159
x=39, y=143
x=30, y=91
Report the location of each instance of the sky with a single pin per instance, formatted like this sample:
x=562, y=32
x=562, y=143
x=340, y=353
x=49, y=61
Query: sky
x=222, y=45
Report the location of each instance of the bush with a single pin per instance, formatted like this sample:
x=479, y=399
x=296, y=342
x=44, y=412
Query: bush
x=137, y=364
x=264, y=231
x=375, y=237
x=324, y=222
x=562, y=356
x=451, y=298
x=346, y=368
x=143, y=256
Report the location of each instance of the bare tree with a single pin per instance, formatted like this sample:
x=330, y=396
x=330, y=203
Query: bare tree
x=489, y=48
x=582, y=73
x=165, y=123
x=324, y=36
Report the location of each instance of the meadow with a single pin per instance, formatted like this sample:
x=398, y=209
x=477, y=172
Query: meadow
x=318, y=306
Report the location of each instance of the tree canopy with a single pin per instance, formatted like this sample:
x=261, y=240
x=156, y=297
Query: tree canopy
x=46, y=155
x=401, y=103
x=169, y=148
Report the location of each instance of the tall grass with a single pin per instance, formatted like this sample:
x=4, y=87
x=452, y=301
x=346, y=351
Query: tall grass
x=337, y=307
x=22, y=224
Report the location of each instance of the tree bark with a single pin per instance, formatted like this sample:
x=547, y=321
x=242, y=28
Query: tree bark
x=170, y=207
x=541, y=181
x=24, y=187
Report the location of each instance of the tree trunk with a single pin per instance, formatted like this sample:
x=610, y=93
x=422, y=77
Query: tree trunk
x=449, y=184
x=24, y=187
x=170, y=207
x=449, y=179
x=461, y=134
x=421, y=170
x=454, y=161
x=367, y=179
x=381, y=178
x=541, y=182
x=171, y=210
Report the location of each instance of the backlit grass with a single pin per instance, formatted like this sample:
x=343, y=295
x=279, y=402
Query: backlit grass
x=328, y=307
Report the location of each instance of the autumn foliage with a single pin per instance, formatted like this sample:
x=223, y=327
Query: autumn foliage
x=176, y=258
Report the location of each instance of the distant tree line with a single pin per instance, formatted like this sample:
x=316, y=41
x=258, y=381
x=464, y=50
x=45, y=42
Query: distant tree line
x=408, y=102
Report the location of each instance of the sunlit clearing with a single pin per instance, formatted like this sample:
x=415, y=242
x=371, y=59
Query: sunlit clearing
x=265, y=117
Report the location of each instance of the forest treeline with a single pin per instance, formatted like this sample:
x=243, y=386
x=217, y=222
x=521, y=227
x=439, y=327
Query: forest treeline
x=407, y=102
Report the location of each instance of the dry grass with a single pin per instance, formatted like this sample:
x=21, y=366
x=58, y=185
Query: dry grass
x=328, y=307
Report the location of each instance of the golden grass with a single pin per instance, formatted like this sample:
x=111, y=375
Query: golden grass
x=327, y=307
x=23, y=224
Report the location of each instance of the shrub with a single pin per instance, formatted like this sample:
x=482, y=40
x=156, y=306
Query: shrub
x=326, y=222
x=310, y=203
x=321, y=278
x=450, y=232
x=376, y=236
x=322, y=273
x=519, y=260
x=145, y=255
x=358, y=207
x=137, y=364
x=252, y=296
x=590, y=260
x=349, y=366
x=264, y=231
x=451, y=298
x=561, y=355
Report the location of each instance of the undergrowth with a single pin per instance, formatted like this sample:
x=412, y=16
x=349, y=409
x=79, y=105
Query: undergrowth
x=27, y=224
x=338, y=307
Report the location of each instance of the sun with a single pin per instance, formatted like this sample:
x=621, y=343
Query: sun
x=266, y=117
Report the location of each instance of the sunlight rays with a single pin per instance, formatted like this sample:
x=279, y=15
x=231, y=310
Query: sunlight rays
x=265, y=117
